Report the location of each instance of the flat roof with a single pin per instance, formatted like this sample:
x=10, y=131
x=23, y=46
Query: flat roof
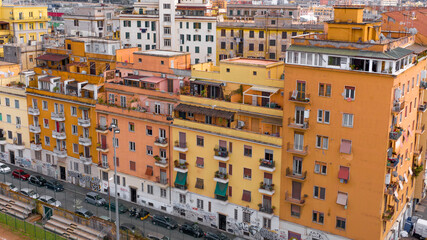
x=2, y=63
x=262, y=62
x=161, y=53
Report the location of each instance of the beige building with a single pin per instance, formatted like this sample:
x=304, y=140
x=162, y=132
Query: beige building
x=23, y=54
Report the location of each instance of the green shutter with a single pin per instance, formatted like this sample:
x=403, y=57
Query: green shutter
x=207, y=38
x=221, y=189
x=181, y=178
x=209, y=25
x=194, y=25
x=194, y=37
x=139, y=35
x=138, y=23
x=209, y=50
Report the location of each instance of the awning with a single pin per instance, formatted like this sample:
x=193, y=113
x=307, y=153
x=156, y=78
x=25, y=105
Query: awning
x=152, y=79
x=83, y=108
x=205, y=111
x=342, y=198
x=263, y=89
x=221, y=189
x=246, y=196
x=273, y=121
x=202, y=82
x=344, y=173
x=72, y=85
x=199, y=183
x=417, y=48
x=345, y=146
x=181, y=178
x=149, y=171
x=46, y=78
x=52, y=57
x=200, y=161
x=91, y=87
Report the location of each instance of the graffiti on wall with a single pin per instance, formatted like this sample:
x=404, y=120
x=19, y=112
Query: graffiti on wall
x=94, y=182
x=194, y=214
x=317, y=236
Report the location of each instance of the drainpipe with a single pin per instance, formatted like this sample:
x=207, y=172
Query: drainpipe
x=170, y=167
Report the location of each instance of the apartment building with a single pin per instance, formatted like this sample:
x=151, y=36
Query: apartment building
x=226, y=138
x=23, y=54
x=90, y=21
x=351, y=146
x=62, y=95
x=264, y=37
x=247, y=11
x=167, y=25
x=140, y=103
x=14, y=135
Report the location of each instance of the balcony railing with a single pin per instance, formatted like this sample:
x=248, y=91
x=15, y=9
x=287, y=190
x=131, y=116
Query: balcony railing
x=421, y=129
x=162, y=142
x=33, y=111
x=293, y=124
x=222, y=198
x=221, y=153
x=59, y=134
x=58, y=116
x=300, y=150
x=391, y=188
x=266, y=186
x=161, y=162
x=423, y=85
x=180, y=146
x=102, y=147
x=86, y=159
x=297, y=176
x=422, y=107
x=398, y=107
x=181, y=165
x=289, y=198
x=266, y=209
x=182, y=187
x=389, y=213
x=396, y=134
x=85, y=141
x=392, y=162
x=103, y=165
x=102, y=129
x=267, y=165
x=221, y=175
x=36, y=146
x=35, y=128
x=83, y=122
x=163, y=181
x=300, y=97
x=60, y=152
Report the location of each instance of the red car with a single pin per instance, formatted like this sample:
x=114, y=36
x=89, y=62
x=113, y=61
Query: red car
x=19, y=173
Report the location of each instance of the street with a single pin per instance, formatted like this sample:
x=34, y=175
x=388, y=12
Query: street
x=73, y=196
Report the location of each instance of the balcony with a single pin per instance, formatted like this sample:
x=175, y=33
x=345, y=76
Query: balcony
x=36, y=146
x=33, y=111
x=161, y=142
x=103, y=165
x=391, y=188
x=2, y=140
x=418, y=151
x=299, y=97
x=59, y=135
x=389, y=213
x=288, y=198
x=266, y=188
x=221, y=154
x=221, y=198
x=162, y=181
x=422, y=107
x=102, y=148
x=86, y=159
x=83, y=122
x=19, y=145
x=266, y=209
x=61, y=153
x=396, y=133
x=421, y=129
x=398, y=107
x=181, y=187
x=423, y=85
x=85, y=141
x=298, y=150
x=296, y=176
x=392, y=162
x=58, y=116
x=221, y=177
x=180, y=146
x=180, y=166
x=267, y=165
x=161, y=162
x=34, y=128
x=292, y=124
x=102, y=129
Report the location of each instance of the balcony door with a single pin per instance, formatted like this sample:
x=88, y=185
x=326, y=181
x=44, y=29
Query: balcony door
x=301, y=89
x=296, y=190
x=297, y=166
x=182, y=139
x=35, y=103
x=298, y=141
x=266, y=201
x=299, y=115
x=103, y=141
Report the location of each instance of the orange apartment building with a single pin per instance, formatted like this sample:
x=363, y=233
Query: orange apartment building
x=140, y=103
x=354, y=100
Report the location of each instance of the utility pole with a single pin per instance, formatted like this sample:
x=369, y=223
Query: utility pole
x=115, y=130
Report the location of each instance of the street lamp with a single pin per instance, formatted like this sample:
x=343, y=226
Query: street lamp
x=115, y=129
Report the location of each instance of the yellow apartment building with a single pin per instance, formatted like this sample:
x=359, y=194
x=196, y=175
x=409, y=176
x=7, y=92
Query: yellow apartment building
x=62, y=96
x=263, y=37
x=226, y=138
x=351, y=127
x=14, y=135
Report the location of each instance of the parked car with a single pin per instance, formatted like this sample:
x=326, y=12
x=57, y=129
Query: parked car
x=215, y=236
x=19, y=173
x=95, y=199
x=54, y=185
x=30, y=193
x=192, y=229
x=37, y=180
x=122, y=208
x=157, y=236
x=50, y=200
x=12, y=187
x=143, y=214
x=84, y=213
x=129, y=227
x=107, y=219
x=4, y=168
x=164, y=221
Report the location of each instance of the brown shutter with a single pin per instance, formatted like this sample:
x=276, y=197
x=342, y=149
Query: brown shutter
x=222, y=165
x=268, y=176
x=230, y=169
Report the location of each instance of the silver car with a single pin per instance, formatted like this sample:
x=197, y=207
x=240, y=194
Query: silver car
x=30, y=193
x=12, y=187
x=4, y=168
x=95, y=199
x=50, y=200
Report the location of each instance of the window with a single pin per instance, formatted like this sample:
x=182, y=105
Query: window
x=347, y=120
x=46, y=123
x=261, y=34
x=9, y=118
x=182, y=198
x=261, y=47
x=87, y=169
x=76, y=22
x=318, y=217
x=18, y=121
x=74, y=130
x=254, y=73
x=200, y=162
x=47, y=141
x=349, y=92
x=283, y=48
x=197, y=25
x=7, y=100
x=167, y=42
x=247, y=151
x=297, y=166
x=345, y=146
x=222, y=45
x=127, y=35
x=17, y=104
x=284, y=35
x=322, y=142
x=150, y=189
x=157, y=108
x=73, y=111
x=166, y=17
x=209, y=26
x=200, y=141
x=167, y=30
x=272, y=42
x=247, y=173
x=166, y=6
x=324, y=90
x=132, y=146
x=251, y=34
x=251, y=46
x=319, y=192
x=75, y=148
x=44, y=105
x=334, y=61
x=131, y=127
x=200, y=204
x=272, y=55
x=149, y=150
x=266, y=223
x=162, y=192
x=320, y=168
x=9, y=135
x=246, y=196
x=295, y=210
x=197, y=49
x=323, y=116
x=149, y=131
x=340, y=223
x=199, y=183
x=222, y=32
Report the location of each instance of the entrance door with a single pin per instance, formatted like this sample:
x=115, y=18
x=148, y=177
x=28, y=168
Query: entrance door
x=133, y=194
x=62, y=173
x=12, y=157
x=296, y=190
x=222, y=221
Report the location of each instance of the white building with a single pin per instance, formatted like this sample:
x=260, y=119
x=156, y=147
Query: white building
x=92, y=21
x=187, y=26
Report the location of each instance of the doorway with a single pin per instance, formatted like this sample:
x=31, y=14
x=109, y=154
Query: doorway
x=222, y=221
x=133, y=194
x=12, y=157
x=62, y=173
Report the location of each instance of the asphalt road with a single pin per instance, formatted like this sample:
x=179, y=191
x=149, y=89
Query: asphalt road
x=73, y=198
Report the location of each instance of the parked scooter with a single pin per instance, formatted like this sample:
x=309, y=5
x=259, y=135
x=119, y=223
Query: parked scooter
x=133, y=212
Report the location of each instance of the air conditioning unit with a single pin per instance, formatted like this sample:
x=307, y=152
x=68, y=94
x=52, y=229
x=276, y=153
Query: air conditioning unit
x=240, y=124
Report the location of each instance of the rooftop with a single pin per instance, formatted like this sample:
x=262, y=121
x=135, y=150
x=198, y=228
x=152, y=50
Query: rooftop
x=260, y=62
x=161, y=53
x=93, y=39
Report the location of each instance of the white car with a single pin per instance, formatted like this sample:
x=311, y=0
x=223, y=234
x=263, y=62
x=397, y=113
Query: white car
x=12, y=187
x=50, y=200
x=30, y=193
x=4, y=168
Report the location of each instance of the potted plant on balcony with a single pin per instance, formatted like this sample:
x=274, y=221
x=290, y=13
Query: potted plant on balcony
x=157, y=158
